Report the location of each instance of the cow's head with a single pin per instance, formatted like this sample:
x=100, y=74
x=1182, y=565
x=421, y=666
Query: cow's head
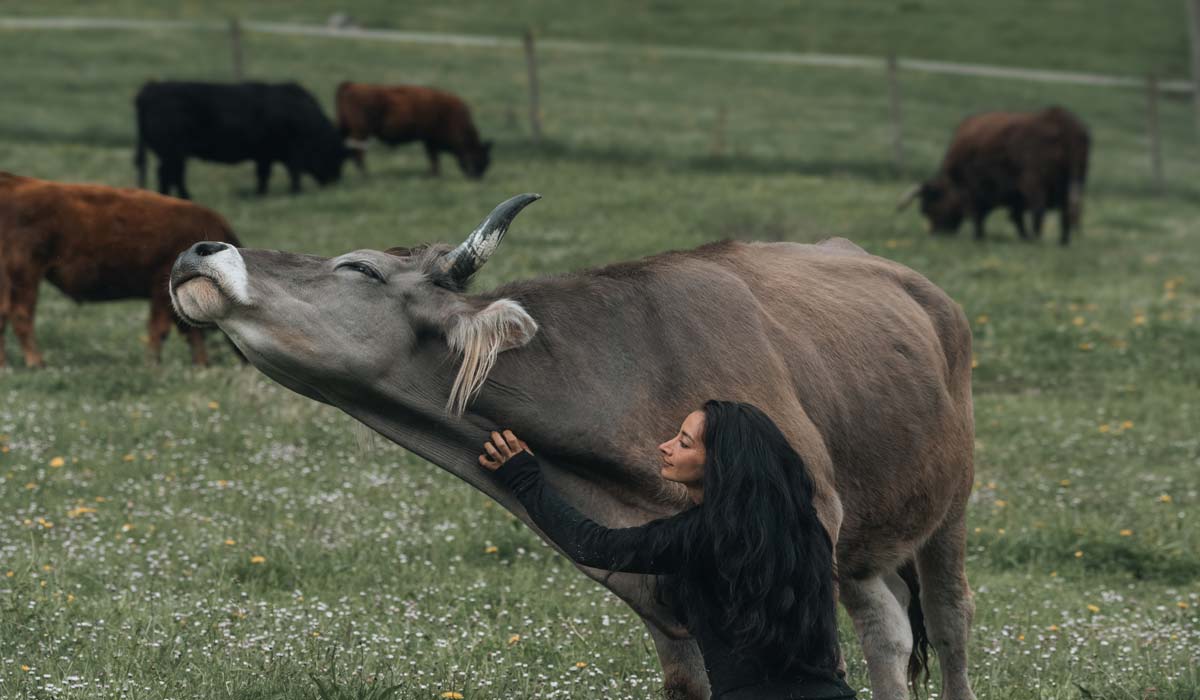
x=475, y=161
x=941, y=204
x=324, y=160
x=342, y=326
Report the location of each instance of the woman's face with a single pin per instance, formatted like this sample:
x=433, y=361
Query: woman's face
x=683, y=455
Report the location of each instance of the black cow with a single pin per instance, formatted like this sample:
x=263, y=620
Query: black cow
x=231, y=123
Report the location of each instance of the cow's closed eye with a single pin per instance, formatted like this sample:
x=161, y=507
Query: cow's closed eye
x=362, y=268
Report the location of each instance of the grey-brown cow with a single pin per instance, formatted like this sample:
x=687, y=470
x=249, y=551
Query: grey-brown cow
x=865, y=365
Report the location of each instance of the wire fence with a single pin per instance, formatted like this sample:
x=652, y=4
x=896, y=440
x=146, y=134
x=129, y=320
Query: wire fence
x=1153, y=89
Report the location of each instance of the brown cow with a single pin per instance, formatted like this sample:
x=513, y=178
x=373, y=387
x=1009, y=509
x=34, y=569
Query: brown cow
x=95, y=243
x=397, y=114
x=1024, y=161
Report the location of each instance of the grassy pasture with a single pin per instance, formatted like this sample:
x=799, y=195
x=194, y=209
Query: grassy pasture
x=167, y=532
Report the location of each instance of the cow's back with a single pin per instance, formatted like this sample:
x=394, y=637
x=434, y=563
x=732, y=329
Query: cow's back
x=230, y=123
x=96, y=242
x=1051, y=142
x=401, y=113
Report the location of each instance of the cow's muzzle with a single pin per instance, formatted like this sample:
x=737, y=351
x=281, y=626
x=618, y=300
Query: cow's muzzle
x=206, y=281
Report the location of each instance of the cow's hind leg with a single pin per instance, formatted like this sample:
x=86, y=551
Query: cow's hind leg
x=879, y=608
x=170, y=174
x=1016, y=212
x=3, y=315
x=946, y=603
x=431, y=152
x=195, y=339
x=684, y=676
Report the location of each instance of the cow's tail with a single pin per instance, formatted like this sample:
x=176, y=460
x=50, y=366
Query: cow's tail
x=918, y=660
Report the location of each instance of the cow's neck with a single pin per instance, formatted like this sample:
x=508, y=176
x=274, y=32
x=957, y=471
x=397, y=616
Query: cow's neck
x=410, y=410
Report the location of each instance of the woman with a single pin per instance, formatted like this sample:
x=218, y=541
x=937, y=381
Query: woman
x=749, y=569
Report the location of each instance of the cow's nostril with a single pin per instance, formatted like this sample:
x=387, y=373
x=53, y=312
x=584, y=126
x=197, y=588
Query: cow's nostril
x=206, y=249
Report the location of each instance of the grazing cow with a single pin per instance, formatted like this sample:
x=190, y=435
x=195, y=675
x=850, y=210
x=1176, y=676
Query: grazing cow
x=863, y=363
x=95, y=243
x=1033, y=162
x=404, y=113
x=262, y=122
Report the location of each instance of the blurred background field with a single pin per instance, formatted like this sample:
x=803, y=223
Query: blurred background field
x=173, y=532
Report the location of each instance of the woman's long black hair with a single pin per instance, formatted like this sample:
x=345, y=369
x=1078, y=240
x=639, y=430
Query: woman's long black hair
x=758, y=568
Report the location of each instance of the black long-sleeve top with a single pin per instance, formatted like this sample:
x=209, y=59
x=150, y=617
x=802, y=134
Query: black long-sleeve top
x=653, y=548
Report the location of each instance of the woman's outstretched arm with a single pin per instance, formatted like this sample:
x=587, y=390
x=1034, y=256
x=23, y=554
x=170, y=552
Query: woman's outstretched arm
x=653, y=548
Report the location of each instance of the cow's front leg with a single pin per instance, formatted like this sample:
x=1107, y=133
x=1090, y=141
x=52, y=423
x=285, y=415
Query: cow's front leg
x=684, y=675
x=262, y=171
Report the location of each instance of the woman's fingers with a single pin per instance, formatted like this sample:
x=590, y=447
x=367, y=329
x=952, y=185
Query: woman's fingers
x=501, y=445
x=488, y=463
x=514, y=444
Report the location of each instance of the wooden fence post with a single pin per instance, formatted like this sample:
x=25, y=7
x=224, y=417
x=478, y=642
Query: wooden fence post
x=893, y=70
x=1152, y=131
x=235, y=38
x=535, y=109
x=1193, y=11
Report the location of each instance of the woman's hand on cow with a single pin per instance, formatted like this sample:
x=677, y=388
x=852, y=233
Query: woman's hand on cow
x=501, y=448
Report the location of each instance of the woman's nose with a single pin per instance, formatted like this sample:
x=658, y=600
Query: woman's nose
x=665, y=448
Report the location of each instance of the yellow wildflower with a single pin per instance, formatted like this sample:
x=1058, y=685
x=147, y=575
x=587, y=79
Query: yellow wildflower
x=1079, y=554
x=1065, y=482
x=1079, y=320
x=1086, y=347
x=24, y=668
x=580, y=664
x=57, y=462
x=231, y=542
x=1165, y=498
x=1093, y=608
x=452, y=695
x=129, y=458
x=491, y=549
x=1053, y=628
x=213, y=405
x=1126, y=533
x=1105, y=428
x=514, y=639
x=257, y=559
x=1182, y=605
x=1126, y=424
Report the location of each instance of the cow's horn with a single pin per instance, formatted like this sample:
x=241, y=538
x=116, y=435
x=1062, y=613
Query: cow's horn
x=908, y=197
x=471, y=254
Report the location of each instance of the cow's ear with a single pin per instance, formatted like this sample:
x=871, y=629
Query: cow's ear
x=479, y=336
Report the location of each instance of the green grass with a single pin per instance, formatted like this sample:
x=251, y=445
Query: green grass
x=132, y=564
